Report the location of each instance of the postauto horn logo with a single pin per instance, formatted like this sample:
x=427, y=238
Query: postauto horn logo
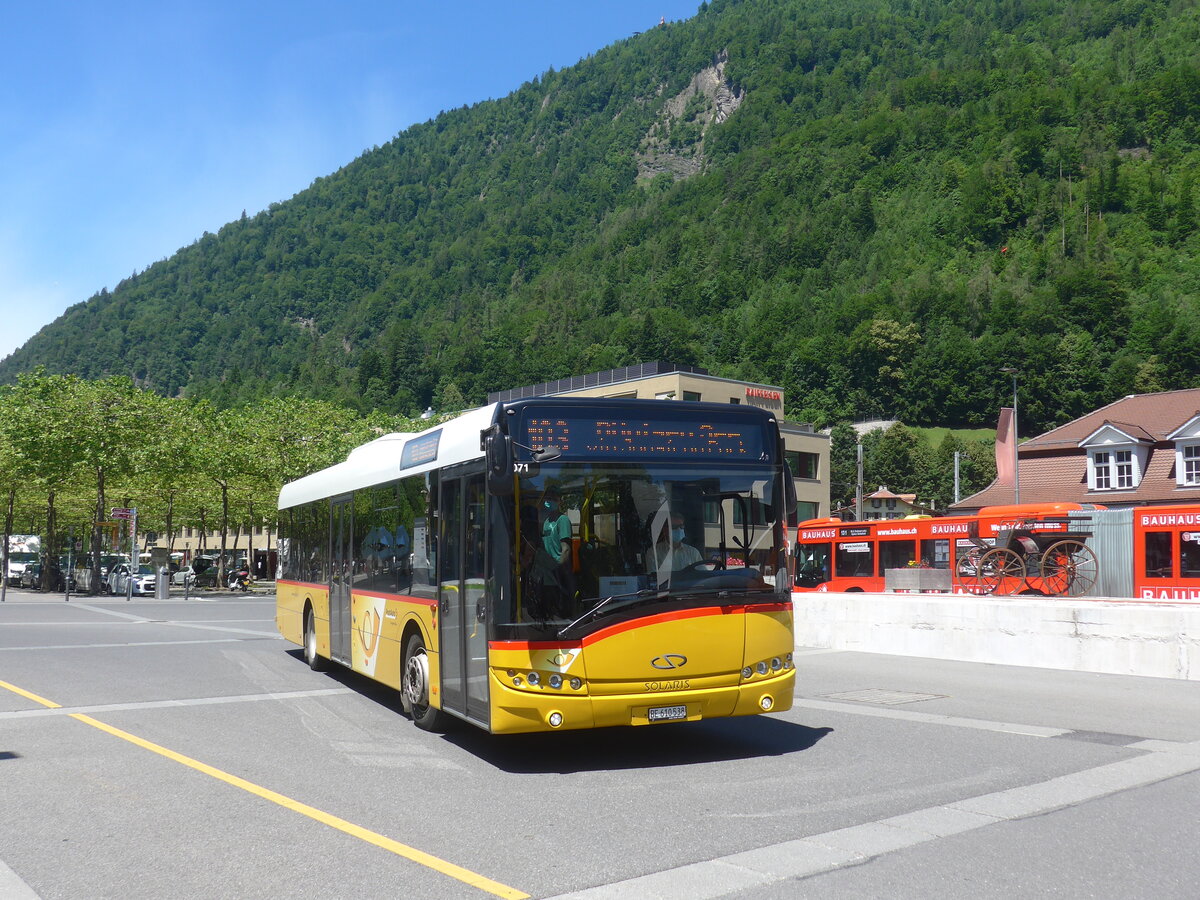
x=669, y=661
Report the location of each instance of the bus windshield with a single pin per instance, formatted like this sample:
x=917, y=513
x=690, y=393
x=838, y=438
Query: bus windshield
x=602, y=542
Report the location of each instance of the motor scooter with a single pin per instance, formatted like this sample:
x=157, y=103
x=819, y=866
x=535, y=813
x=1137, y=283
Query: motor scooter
x=240, y=580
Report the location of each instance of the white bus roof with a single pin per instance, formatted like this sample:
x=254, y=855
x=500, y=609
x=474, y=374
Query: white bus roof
x=378, y=462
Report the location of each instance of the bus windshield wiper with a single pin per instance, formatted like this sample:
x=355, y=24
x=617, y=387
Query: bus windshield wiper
x=637, y=595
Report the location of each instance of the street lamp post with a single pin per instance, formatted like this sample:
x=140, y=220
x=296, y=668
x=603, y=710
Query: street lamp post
x=1009, y=370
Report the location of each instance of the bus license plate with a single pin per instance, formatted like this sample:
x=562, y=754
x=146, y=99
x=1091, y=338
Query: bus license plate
x=666, y=713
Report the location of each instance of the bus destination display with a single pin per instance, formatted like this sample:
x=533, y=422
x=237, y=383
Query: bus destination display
x=640, y=438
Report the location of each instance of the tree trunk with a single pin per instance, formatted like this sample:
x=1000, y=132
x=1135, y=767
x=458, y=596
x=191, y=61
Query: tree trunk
x=100, y=517
x=8, y=524
x=224, y=531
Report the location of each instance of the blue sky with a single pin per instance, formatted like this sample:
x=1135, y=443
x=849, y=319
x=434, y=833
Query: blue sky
x=128, y=129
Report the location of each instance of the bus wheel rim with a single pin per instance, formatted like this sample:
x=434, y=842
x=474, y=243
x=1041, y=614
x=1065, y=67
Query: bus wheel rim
x=416, y=680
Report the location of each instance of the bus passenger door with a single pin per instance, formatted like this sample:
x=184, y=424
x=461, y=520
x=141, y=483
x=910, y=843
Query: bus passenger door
x=461, y=602
x=340, y=562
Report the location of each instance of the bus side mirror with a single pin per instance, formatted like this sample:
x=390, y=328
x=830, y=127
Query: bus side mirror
x=497, y=452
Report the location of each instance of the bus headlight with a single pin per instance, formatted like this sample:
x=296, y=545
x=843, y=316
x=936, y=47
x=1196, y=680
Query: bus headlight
x=761, y=667
x=556, y=681
x=576, y=684
x=776, y=664
x=534, y=678
x=766, y=702
x=555, y=719
x=747, y=673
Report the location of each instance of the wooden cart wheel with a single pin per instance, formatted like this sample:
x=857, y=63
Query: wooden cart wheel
x=1069, y=568
x=1001, y=571
x=967, y=572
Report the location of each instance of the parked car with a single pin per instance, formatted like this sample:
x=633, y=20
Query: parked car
x=201, y=573
x=143, y=579
x=31, y=575
x=18, y=561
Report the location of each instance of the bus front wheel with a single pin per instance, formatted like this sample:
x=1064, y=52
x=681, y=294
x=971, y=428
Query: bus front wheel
x=415, y=691
x=315, y=662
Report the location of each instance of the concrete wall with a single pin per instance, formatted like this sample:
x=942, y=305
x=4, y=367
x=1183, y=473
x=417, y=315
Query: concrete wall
x=1123, y=638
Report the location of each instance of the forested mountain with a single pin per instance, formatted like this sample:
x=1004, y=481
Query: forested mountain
x=875, y=204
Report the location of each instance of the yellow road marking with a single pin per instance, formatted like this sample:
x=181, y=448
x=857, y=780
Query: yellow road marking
x=34, y=697
x=439, y=865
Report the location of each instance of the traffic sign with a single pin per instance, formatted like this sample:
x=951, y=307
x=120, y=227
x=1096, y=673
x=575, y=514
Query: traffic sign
x=119, y=512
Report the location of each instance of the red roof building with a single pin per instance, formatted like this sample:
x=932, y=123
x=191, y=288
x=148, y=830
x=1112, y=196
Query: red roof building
x=1141, y=450
x=884, y=504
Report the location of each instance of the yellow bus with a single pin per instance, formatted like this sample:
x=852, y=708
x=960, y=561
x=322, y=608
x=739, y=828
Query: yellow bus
x=552, y=564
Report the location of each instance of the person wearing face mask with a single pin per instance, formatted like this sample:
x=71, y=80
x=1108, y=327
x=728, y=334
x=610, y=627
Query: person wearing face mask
x=682, y=555
x=556, y=541
x=556, y=528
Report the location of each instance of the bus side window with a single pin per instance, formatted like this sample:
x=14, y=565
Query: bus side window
x=935, y=553
x=1158, y=555
x=896, y=554
x=1189, y=554
x=855, y=559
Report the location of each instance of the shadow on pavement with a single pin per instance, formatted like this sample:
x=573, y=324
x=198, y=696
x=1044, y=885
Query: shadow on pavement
x=648, y=746
x=642, y=747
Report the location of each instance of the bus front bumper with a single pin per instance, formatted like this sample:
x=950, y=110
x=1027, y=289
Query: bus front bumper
x=515, y=710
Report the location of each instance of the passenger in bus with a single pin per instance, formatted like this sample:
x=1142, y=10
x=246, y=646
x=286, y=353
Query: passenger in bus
x=683, y=555
x=556, y=538
x=556, y=527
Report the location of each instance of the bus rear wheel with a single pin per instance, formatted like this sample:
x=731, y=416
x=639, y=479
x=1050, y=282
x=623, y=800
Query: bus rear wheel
x=414, y=692
x=315, y=662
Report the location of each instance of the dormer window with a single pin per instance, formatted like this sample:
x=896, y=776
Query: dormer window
x=1191, y=464
x=1113, y=470
x=1187, y=452
x=1117, y=457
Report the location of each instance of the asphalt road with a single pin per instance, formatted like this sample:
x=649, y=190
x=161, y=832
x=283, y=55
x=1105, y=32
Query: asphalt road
x=153, y=749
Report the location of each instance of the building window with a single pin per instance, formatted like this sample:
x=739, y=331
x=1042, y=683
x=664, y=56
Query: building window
x=807, y=509
x=1191, y=464
x=1116, y=469
x=1102, y=479
x=1124, y=459
x=691, y=396
x=735, y=400
x=803, y=465
x=665, y=395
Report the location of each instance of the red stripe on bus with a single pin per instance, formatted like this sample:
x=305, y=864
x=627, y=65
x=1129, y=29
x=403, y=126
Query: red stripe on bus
x=534, y=645
x=407, y=598
x=679, y=616
x=619, y=628
x=768, y=607
x=622, y=627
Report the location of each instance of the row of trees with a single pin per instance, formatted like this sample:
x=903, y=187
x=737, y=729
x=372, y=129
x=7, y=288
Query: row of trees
x=71, y=448
x=905, y=462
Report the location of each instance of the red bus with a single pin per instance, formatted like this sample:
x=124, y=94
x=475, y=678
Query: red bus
x=832, y=555
x=1166, y=552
